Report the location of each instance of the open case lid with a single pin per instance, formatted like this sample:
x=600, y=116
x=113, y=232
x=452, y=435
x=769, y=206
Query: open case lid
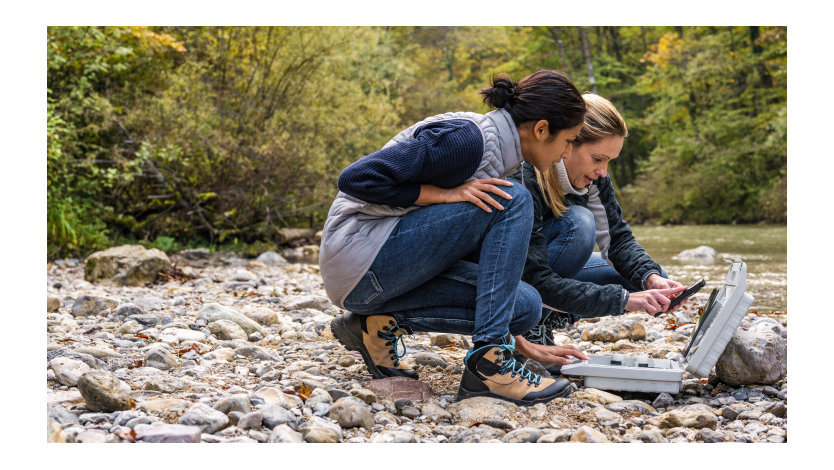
x=721, y=317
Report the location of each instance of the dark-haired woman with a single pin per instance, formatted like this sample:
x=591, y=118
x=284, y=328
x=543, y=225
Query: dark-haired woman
x=399, y=240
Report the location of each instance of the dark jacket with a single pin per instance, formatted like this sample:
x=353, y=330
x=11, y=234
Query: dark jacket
x=614, y=239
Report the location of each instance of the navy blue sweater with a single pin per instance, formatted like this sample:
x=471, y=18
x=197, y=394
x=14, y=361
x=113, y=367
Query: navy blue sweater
x=444, y=154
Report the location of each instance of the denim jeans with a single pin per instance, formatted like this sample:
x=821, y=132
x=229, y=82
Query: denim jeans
x=570, y=249
x=421, y=277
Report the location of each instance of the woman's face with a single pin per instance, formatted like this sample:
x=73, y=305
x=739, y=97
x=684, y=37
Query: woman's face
x=587, y=162
x=541, y=152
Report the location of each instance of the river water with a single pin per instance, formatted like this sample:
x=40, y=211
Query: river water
x=764, y=248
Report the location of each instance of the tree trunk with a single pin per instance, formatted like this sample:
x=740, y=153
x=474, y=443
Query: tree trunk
x=554, y=34
x=586, y=53
x=766, y=79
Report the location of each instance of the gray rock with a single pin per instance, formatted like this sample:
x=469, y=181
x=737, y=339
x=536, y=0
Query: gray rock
x=205, y=417
x=127, y=265
x=92, y=436
x=68, y=371
x=227, y=330
x=284, y=433
x=253, y=420
x=701, y=255
x=753, y=358
x=611, y=331
x=690, y=416
x=103, y=391
x=410, y=412
x=481, y=433
x=308, y=254
x=263, y=315
x=429, y=359
x=275, y=415
x=729, y=413
x=652, y=436
x=214, y=312
x=159, y=358
x=271, y=258
x=664, y=400
x=435, y=413
x=63, y=417
x=479, y=409
x=317, y=429
x=168, y=433
x=710, y=436
x=555, y=435
x=350, y=413
x=87, y=305
x=238, y=402
x=630, y=406
x=394, y=437
x=523, y=435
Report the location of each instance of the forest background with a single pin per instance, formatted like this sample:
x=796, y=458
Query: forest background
x=176, y=137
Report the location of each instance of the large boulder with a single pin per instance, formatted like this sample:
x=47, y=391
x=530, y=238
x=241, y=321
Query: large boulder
x=753, y=357
x=308, y=254
x=126, y=265
x=701, y=255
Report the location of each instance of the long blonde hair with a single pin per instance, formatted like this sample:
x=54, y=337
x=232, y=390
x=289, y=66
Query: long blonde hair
x=601, y=120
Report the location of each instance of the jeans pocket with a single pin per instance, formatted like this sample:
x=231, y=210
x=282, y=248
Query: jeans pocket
x=364, y=293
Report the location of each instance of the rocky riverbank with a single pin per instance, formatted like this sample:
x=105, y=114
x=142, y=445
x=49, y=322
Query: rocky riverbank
x=225, y=349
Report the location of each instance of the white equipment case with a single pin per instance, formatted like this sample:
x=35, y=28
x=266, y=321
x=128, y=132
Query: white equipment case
x=720, y=318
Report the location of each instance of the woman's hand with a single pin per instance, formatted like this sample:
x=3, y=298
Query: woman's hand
x=548, y=354
x=474, y=191
x=652, y=301
x=655, y=281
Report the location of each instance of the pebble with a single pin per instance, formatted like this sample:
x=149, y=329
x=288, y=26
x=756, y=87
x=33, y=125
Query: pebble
x=205, y=417
x=103, y=391
x=281, y=380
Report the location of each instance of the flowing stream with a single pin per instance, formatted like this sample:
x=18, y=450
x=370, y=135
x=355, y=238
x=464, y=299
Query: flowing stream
x=762, y=247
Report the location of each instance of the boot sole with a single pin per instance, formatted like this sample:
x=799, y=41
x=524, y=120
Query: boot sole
x=463, y=393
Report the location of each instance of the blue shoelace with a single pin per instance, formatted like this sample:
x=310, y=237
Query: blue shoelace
x=392, y=339
x=510, y=364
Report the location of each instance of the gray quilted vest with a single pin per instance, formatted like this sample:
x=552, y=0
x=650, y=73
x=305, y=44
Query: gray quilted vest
x=355, y=230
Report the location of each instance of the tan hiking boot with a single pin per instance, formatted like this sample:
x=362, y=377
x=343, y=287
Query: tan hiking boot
x=377, y=338
x=494, y=371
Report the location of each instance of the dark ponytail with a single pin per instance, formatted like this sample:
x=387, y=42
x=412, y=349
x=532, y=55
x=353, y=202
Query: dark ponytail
x=546, y=94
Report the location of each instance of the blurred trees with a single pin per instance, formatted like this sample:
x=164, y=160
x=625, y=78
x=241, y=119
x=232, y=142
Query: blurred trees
x=219, y=135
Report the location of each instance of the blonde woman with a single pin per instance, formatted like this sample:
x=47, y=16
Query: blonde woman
x=575, y=208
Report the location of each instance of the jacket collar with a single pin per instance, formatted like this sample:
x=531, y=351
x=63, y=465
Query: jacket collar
x=508, y=138
x=564, y=181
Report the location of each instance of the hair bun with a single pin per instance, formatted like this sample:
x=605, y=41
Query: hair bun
x=500, y=93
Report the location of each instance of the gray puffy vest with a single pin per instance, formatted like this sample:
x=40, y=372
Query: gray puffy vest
x=355, y=230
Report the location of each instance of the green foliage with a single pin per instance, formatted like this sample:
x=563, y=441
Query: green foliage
x=185, y=136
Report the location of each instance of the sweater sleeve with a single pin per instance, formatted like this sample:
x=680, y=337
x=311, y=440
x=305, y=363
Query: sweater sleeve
x=444, y=153
x=626, y=255
x=565, y=294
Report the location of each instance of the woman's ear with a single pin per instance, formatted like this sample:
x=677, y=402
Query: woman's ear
x=540, y=130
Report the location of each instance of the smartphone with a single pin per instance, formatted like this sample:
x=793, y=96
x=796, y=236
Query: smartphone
x=691, y=290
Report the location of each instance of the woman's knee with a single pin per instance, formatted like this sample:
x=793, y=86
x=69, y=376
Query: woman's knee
x=527, y=310
x=584, y=225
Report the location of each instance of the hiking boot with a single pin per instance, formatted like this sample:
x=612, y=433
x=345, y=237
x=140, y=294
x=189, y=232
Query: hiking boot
x=493, y=371
x=376, y=338
x=542, y=333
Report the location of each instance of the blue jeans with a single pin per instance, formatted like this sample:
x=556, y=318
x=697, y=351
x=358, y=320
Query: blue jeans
x=421, y=277
x=570, y=250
